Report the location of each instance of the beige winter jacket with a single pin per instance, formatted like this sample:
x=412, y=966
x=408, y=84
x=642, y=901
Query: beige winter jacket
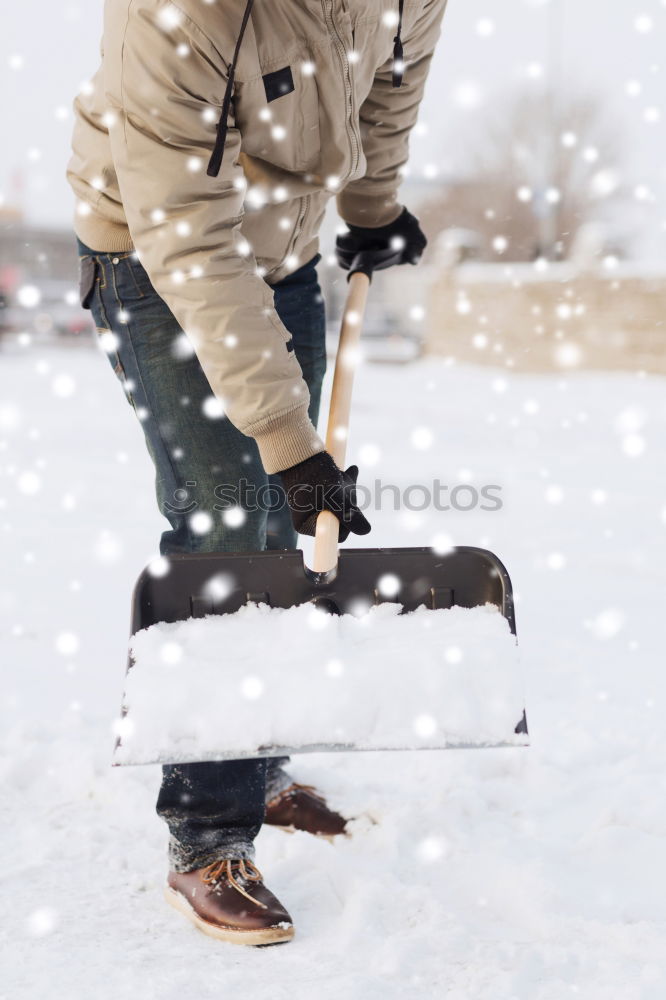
x=313, y=114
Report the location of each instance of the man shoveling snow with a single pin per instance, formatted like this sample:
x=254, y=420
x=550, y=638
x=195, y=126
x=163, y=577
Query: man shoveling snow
x=209, y=311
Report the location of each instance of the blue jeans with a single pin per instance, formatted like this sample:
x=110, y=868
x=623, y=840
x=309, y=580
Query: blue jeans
x=213, y=809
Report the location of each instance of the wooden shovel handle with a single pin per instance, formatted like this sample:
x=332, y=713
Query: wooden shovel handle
x=346, y=360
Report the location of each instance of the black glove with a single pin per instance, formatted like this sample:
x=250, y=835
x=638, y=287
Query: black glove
x=318, y=484
x=403, y=236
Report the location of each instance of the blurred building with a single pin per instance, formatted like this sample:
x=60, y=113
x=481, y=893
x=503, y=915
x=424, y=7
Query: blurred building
x=591, y=311
x=39, y=296
x=32, y=253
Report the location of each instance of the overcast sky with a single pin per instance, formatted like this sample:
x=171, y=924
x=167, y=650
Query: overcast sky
x=612, y=47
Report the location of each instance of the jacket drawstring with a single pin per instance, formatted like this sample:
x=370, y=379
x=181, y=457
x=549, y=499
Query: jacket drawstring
x=398, y=64
x=215, y=161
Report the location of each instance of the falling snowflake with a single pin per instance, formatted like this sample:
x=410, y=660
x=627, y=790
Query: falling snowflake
x=453, y=654
x=169, y=17
x=432, y=849
x=485, y=27
x=643, y=24
x=107, y=548
x=63, y=386
x=42, y=921
x=335, y=668
x=201, y=522
x=158, y=567
x=369, y=454
x=235, y=517
x=219, y=587
x=123, y=728
x=568, y=355
x=212, y=407
x=633, y=445
x=422, y=438
x=28, y=296
x=10, y=417
x=252, y=687
x=171, y=653
x=554, y=494
x=318, y=619
x=607, y=623
x=389, y=585
x=425, y=726
x=67, y=643
x=441, y=544
x=29, y=483
x=468, y=95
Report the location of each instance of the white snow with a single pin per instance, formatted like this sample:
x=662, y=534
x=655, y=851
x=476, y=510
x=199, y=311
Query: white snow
x=394, y=684
x=535, y=874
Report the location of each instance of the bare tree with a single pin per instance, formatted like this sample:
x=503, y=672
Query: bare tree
x=533, y=171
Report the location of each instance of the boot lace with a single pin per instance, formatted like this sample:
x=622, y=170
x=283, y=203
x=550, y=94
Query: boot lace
x=227, y=869
x=295, y=786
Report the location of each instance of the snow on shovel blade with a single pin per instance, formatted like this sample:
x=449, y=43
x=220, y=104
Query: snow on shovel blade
x=252, y=655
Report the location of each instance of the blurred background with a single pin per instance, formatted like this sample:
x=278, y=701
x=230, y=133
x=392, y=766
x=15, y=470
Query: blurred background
x=537, y=169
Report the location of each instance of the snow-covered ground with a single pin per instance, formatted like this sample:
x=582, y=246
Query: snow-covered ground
x=512, y=874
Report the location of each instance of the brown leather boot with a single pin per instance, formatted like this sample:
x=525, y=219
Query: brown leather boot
x=300, y=807
x=229, y=901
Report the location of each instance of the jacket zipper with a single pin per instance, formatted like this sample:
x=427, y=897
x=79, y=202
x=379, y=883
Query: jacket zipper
x=344, y=62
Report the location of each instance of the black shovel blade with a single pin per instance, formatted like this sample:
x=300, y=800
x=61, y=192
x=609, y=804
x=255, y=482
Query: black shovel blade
x=220, y=583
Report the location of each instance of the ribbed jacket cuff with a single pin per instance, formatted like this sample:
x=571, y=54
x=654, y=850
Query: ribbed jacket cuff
x=102, y=235
x=367, y=209
x=286, y=440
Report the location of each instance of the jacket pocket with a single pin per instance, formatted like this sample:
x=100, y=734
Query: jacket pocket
x=87, y=280
x=285, y=130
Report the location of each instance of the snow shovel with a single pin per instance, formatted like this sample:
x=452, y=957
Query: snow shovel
x=400, y=648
